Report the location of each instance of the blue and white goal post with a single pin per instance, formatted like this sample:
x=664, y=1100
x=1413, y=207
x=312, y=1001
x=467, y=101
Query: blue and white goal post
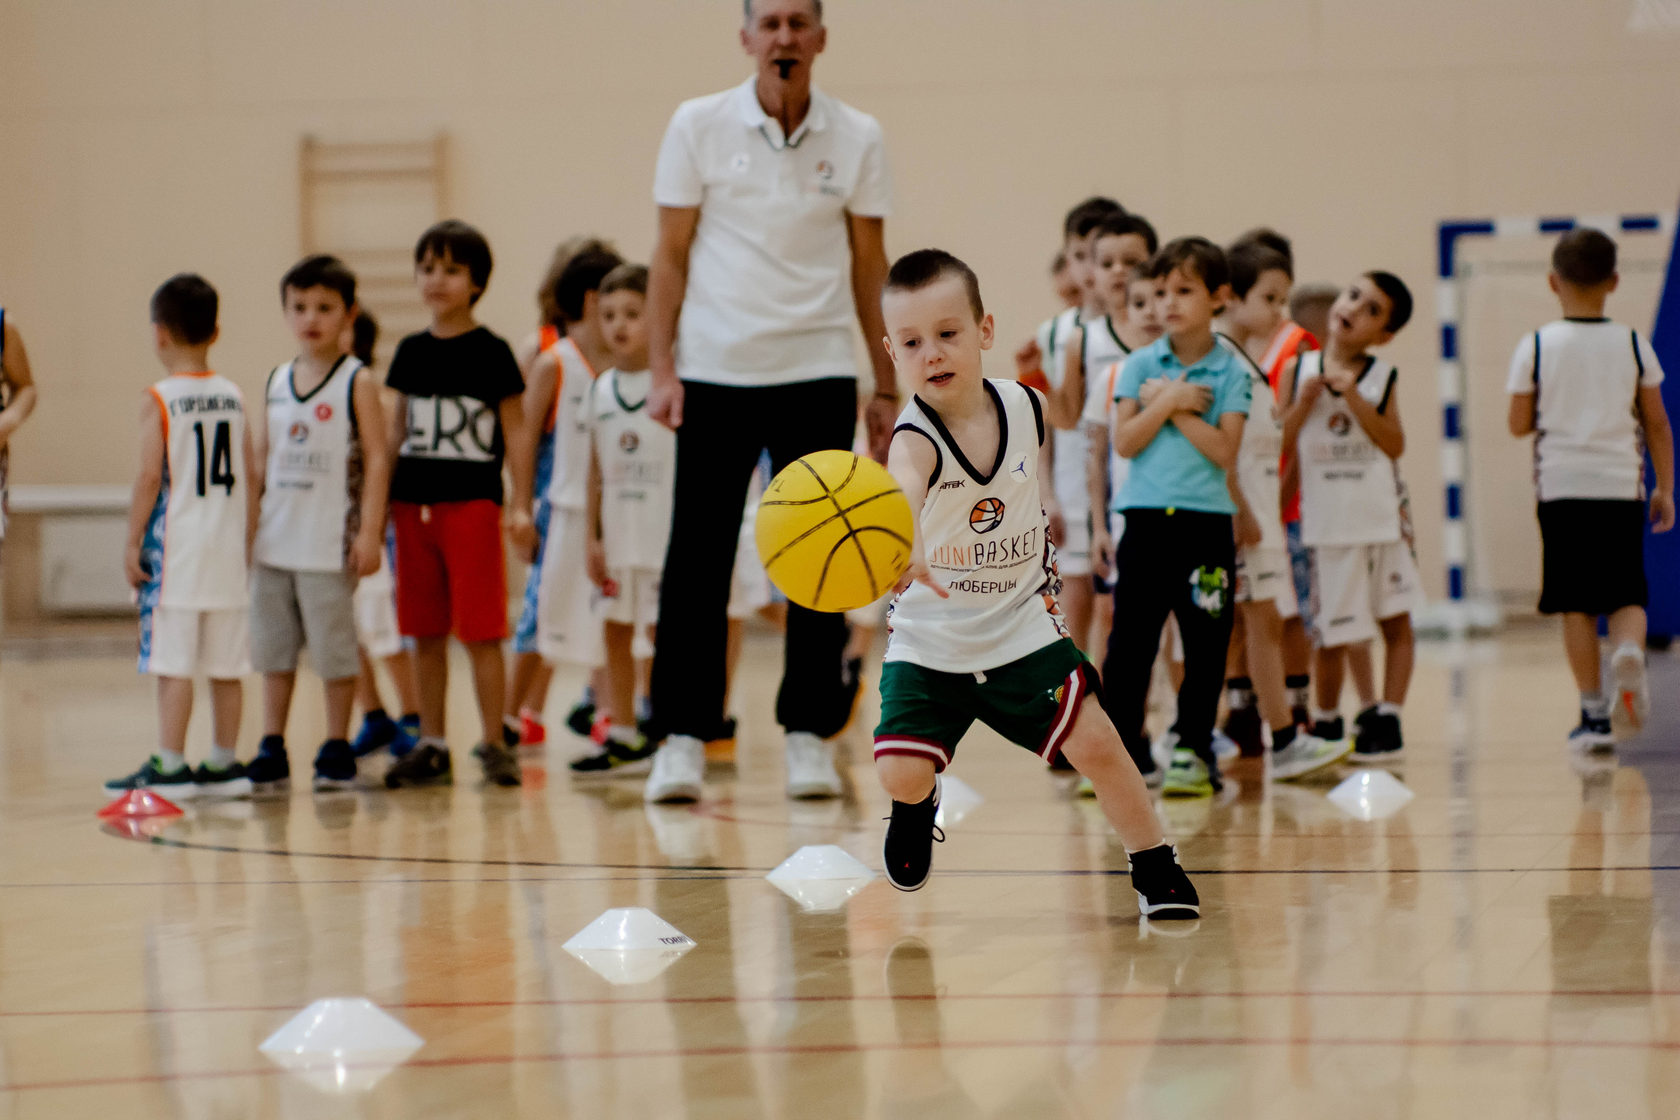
x=1464, y=610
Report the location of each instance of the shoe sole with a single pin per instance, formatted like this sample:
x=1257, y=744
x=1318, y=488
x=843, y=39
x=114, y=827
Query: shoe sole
x=1168, y=911
x=1598, y=744
x=911, y=889
x=170, y=793
x=1186, y=792
x=813, y=792
x=678, y=795
x=230, y=789
x=1322, y=764
x=1633, y=701
x=329, y=785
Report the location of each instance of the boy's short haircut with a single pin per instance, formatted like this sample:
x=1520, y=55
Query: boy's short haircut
x=583, y=274
x=1083, y=218
x=746, y=10
x=1304, y=296
x=1058, y=262
x=1271, y=239
x=322, y=270
x=186, y=306
x=1251, y=260
x=563, y=254
x=364, y=337
x=1194, y=254
x=1399, y=298
x=914, y=271
x=462, y=244
x=1584, y=257
x=626, y=278
x=1126, y=224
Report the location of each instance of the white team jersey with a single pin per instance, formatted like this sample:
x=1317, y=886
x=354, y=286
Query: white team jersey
x=195, y=542
x=1349, y=488
x=1585, y=375
x=1260, y=453
x=638, y=466
x=1055, y=336
x=1099, y=416
x=569, y=481
x=983, y=534
x=312, y=493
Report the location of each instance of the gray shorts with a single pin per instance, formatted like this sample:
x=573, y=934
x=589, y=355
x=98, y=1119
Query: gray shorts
x=292, y=609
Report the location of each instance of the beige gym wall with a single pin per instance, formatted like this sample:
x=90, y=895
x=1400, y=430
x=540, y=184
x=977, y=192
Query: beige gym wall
x=142, y=137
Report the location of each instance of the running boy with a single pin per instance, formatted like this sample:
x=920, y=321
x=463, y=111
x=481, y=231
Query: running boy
x=190, y=525
x=321, y=523
x=459, y=411
x=1343, y=425
x=1177, y=557
x=629, y=514
x=1590, y=391
x=975, y=629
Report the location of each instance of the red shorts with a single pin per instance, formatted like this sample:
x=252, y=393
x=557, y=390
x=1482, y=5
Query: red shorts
x=450, y=571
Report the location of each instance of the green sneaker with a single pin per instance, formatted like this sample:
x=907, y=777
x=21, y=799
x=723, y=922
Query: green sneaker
x=1188, y=776
x=175, y=785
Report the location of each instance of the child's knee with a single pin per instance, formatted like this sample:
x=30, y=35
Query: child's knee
x=1397, y=629
x=1094, y=743
x=905, y=778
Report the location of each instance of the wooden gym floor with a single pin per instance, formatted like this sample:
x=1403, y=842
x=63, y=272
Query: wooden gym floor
x=1507, y=945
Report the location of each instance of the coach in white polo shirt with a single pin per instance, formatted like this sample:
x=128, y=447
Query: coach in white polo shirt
x=772, y=199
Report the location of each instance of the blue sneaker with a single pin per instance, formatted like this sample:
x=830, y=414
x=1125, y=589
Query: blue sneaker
x=378, y=731
x=408, y=735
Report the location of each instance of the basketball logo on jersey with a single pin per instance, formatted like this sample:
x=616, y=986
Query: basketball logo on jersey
x=1340, y=424
x=323, y=412
x=298, y=432
x=628, y=442
x=825, y=169
x=986, y=515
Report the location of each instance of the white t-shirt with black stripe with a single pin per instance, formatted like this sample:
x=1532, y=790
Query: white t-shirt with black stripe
x=1585, y=376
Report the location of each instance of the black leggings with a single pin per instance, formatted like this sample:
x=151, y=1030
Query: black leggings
x=1181, y=563
x=724, y=430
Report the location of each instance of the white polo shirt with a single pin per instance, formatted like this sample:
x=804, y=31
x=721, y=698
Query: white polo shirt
x=769, y=299
x=1586, y=375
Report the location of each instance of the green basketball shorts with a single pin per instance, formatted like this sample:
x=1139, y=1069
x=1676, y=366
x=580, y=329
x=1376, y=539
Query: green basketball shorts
x=1031, y=702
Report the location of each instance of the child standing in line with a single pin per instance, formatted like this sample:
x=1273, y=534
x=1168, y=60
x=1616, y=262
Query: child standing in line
x=190, y=525
x=17, y=399
x=458, y=412
x=1177, y=556
x=1590, y=392
x=321, y=517
x=1343, y=425
x=975, y=629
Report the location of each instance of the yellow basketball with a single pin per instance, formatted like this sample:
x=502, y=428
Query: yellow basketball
x=834, y=531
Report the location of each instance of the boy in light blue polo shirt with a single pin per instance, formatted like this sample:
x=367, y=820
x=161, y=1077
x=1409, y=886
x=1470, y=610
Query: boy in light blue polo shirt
x=1180, y=405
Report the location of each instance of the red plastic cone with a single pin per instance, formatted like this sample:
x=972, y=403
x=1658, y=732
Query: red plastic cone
x=136, y=828
x=140, y=803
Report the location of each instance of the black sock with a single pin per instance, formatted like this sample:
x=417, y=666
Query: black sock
x=375, y=715
x=1282, y=737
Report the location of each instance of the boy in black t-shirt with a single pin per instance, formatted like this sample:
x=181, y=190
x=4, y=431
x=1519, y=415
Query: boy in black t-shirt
x=460, y=404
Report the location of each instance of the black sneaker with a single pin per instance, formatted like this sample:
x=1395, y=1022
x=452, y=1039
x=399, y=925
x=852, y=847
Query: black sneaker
x=510, y=733
x=1164, y=891
x=1330, y=730
x=501, y=765
x=335, y=765
x=1594, y=734
x=421, y=766
x=1365, y=741
x=907, y=850
x=271, y=766
x=222, y=781
x=173, y=785
x=1378, y=737
x=1242, y=725
x=614, y=757
x=581, y=719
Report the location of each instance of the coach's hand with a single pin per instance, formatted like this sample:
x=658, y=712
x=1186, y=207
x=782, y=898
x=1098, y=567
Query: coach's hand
x=665, y=400
x=1662, y=511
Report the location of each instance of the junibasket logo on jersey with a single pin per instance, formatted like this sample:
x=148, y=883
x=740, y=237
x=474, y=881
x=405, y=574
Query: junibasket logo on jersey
x=986, y=515
x=1340, y=424
x=628, y=442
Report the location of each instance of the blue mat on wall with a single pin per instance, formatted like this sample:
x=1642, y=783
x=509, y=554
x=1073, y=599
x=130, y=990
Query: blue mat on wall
x=1662, y=553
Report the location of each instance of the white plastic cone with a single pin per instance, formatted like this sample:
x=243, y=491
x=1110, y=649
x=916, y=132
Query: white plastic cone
x=341, y=1045
x=1371, y=795
x=821, y=876
x=629, y=945
x=957, y=799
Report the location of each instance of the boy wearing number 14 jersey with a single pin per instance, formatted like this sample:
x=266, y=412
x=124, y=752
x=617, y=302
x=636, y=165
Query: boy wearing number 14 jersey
x=976, y=632
x=189, y=525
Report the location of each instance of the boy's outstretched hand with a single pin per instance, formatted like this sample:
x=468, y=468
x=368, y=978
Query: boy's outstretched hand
x=918, y=572
x=1662, y=511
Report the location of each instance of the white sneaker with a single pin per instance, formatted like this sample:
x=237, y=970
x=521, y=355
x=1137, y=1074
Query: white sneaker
x=1224, y=747
x=810, y=766
x=677, y=770
x=1633, y=691
x=1307, y=755
x=1161, y=750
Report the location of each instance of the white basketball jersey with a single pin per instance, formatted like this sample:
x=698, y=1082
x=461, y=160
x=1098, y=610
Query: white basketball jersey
x=1349, y=488
x=568, y=483
x=197, y=531
x=312, y=493
x=1260, y=453
x=983, y=534
x=638, y=466
x=1071, y=445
